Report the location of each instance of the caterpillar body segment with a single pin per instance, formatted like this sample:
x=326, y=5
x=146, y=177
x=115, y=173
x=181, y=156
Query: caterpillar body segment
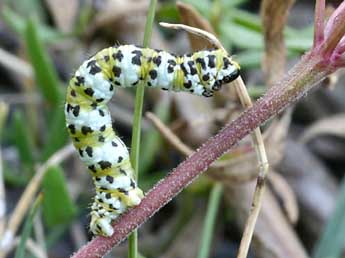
x=89, y=122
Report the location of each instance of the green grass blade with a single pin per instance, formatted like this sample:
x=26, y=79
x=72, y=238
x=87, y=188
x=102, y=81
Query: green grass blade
x=57, y=134
x=211, y=214
x=152, y=140
x=20, y=251
x=58, y=208
x=45, y=74
x=23, y=139
x=49, y=86
x=249, y=58
x=241, y=36
x=135, y=145
x=246, y=19
x=18, y=24
x=332, y=241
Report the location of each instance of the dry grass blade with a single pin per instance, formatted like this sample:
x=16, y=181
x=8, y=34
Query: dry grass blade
x=28, y=195
x=200, y=33
x=16, y=64
x=259, y=147
x=273, y=234
x=257, y=142
x=274, y=14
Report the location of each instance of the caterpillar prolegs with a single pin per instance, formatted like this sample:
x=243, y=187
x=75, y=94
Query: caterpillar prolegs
x=89, y=123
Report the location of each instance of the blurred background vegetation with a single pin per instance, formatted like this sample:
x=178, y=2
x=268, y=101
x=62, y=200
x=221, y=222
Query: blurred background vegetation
x=43, y=41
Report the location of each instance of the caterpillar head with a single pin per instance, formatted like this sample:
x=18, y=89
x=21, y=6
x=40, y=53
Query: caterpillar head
x=225, y=71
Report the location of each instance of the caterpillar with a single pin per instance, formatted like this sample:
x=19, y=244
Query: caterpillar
x=89, y=122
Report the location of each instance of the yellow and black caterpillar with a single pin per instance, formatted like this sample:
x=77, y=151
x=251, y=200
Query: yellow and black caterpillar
x=89, y=123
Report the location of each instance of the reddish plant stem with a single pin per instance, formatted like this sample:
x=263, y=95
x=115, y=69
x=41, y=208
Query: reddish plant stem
x=300, y=80
x=319, y=22
x=334, y=30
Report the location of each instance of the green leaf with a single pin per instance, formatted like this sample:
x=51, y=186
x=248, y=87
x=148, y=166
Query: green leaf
x=232, y=3
x=203, y=7
x=256, y=91
x=168, y=13
x=332, y=241
x=28, y=8
x=20, y=251
x=45, y=74
x=249, y=58
x=57, y=135
x=58, y=208
x=241, y=36
x=18, y=24
x=300, y=44
x=244, y=31
x=246, y=19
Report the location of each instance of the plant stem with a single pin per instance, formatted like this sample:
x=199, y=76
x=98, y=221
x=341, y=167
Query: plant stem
x=211, y=214
x=135, y=145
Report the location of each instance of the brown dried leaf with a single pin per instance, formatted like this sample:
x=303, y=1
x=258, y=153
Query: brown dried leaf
x=274, y=14
x=273, y=236
x=64, y=13
x=192, y=17
x=113, y=11
x=123, y=21
x=313, y=185
x=187, y=243
x=196, y=112
x=334, y=125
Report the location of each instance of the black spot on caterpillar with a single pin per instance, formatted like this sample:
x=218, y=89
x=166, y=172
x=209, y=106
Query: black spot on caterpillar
x=89, y=122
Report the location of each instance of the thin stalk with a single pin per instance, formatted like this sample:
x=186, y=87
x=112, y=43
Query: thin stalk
x=211, y=214
x=138, y=110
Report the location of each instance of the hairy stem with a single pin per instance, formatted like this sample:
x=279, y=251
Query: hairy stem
x=298, y=82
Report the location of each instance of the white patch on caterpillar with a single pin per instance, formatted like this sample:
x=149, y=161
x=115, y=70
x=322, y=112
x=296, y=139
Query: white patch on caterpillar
x=165, y=79
x=90, y=118
x=97, y=82
x=120, y=182
x=106, y=152
x=129, y=73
